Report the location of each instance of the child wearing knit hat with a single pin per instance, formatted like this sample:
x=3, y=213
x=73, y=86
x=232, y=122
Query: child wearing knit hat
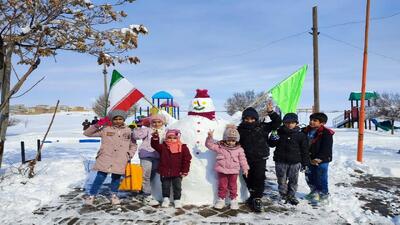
x=174, y=165
x=117, y=148
x=230, y=158
x=149, y=158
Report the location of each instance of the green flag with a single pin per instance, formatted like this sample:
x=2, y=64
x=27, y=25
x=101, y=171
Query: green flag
x=287, y=93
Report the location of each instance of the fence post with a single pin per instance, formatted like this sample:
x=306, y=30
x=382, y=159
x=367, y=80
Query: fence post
x=38, y=149
x=22, y=152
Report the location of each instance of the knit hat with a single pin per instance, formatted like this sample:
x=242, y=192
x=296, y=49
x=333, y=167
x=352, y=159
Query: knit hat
x=321, y=117
x=290, y=117
x=250, y=112
x=113, y=113
x=231, y=133
x=174, y=132
x=157, y=117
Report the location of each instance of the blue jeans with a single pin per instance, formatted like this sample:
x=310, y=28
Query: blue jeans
x=317, y=178
x=99, y=180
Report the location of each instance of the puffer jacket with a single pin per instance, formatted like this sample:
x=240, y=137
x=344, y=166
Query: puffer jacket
x=229, y=160
x=254, y=137
x=116, y=149
x=291, y=147
x=171, y=164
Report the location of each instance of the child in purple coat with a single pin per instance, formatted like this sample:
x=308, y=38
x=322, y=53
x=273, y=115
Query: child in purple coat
x=230, y=158
x=149, y=158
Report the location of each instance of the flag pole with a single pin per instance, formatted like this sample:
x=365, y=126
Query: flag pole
x=360, y=146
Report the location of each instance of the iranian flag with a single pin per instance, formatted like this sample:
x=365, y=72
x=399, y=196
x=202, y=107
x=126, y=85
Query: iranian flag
x=122, y=93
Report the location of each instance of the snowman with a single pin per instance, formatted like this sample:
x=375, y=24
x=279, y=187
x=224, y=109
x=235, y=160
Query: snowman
x=200, y=186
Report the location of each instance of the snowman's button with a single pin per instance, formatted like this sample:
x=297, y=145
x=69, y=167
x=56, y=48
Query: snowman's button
x=198, y=122
x=197, y=153
x=198, y=142
x=198, y=131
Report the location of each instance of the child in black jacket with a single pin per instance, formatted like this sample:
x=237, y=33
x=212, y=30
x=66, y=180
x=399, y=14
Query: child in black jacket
x=253, y=139
x=291, y=154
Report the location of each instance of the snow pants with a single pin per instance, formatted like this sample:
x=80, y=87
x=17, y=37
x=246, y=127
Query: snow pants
x=227, y=182
x=255, y=180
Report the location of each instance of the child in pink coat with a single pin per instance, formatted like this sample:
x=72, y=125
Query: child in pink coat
x=230, y=158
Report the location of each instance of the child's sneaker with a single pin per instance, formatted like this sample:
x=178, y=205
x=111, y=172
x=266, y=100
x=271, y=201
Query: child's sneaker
x=220, y=203
x=115, y=200
x=89, y=200
x=292, y=200
x=165, y=203
x=234, y=204
x=149, y=200
x=310, y=195
x=177, y=204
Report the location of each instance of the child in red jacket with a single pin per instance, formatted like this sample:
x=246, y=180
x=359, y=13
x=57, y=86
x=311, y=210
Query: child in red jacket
x=174, y=165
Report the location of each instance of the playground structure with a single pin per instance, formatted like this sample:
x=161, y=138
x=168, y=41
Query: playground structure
x=168, y=105
x=349, y=117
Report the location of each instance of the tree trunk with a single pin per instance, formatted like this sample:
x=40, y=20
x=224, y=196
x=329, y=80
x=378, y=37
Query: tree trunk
x=5, y=74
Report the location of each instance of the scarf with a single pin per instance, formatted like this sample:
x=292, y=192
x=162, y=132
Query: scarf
x=208, y=115
x=174, y=147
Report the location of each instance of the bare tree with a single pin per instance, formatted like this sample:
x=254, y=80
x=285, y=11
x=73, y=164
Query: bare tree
x=387, y=106
x=100, y=108
x=33, y=29
x=241, y=100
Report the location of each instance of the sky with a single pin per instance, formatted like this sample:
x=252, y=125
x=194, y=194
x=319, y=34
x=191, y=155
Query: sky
x=232, y=46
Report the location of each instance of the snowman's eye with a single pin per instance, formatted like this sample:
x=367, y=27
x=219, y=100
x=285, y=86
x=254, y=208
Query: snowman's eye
x=204, y=103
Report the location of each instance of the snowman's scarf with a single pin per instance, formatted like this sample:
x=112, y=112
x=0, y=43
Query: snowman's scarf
x=208, y=115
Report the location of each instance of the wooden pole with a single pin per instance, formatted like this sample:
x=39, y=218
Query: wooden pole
x=360, y=146
x=316, y=64
x=32, y=163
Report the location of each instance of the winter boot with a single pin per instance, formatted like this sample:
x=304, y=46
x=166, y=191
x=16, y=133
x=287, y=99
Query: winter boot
x=234, y=204
x=220, y=203
x=177, y=204
x=324, y=197
x=149, y=200
x=165, y=203
x=291, y=199
x=89, y=200
x=257, y=205
x=115, y=200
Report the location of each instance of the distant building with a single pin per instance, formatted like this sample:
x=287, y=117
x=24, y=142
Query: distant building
x=18, y=109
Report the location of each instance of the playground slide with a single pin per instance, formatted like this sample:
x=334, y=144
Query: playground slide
x=339, y=124
x=384, y=125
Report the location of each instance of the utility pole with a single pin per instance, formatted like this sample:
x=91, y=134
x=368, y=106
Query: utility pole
x=105, y=88
x=361, y=118
x=105, y=79
x=316, y=66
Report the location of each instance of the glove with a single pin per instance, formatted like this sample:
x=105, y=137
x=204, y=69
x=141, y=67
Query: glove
x=104, y=122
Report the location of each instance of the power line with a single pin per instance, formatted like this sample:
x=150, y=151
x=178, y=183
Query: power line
x=245, y=52
x=359, y=21
x=359, y=48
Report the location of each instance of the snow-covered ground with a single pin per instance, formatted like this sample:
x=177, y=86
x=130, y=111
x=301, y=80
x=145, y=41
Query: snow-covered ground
x=63, y=167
